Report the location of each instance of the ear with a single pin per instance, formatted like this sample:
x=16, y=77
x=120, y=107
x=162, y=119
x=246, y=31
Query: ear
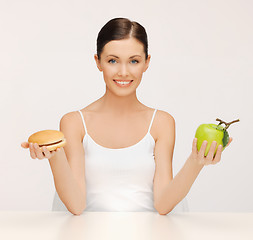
x=98, y=62
x=147, y=63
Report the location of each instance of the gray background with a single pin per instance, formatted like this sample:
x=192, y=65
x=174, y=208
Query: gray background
x=200, y=69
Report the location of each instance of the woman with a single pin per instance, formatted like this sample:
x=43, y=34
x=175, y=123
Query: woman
x=119, y=152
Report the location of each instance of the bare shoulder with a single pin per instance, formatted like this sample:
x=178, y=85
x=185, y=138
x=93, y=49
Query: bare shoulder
x=70, y=118
x=70, y=123
x=164, y=118
x=165, y=122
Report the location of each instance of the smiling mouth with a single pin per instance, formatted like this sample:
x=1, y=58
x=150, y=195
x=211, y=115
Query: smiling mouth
x=123, y=83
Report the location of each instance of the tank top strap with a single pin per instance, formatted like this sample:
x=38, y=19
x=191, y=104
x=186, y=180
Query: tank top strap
x=83, y=121
x=152, y=120
x=150, y=125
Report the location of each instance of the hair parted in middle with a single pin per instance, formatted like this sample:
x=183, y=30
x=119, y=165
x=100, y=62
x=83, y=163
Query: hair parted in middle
x=121, y=28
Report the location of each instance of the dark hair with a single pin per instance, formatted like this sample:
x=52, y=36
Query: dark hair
x=121, y=28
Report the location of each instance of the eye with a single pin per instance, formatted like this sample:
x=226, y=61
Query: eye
x=112, y=61
x=134, y=61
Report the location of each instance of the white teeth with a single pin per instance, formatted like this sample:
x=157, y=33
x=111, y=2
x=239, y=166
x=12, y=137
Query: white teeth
x=123, y=83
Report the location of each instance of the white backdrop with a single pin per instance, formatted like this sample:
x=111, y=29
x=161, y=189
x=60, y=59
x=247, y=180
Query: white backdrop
x=201, y=68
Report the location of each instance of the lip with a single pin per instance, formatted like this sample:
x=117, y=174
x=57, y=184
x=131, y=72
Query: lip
x=125, y=85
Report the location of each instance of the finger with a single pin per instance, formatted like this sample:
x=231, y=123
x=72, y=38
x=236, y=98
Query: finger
x=58, y=150
x=209, y=157
x=25, y=145
x=217, y=157
x=230, y=140
x=38, y=151
x=202, y=149
x=32, y=151
x=47, y=153
x=194, y=146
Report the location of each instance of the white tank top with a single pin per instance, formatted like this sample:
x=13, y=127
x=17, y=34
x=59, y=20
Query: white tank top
x=118, y=179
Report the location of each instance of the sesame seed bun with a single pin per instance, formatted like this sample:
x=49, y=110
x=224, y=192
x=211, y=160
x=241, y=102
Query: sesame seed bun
x=52, y=139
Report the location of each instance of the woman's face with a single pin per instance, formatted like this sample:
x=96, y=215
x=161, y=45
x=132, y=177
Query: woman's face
x=123, y=61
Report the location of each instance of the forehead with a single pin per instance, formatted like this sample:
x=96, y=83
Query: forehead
x=129, y=46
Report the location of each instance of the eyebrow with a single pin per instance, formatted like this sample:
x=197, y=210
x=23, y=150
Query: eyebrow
x=118, y=57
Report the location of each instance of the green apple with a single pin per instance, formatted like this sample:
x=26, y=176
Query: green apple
x=212, y=132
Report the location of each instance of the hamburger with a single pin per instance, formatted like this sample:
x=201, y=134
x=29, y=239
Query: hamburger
x=52, y=139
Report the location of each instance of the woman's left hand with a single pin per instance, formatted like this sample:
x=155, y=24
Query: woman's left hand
x=198, y=156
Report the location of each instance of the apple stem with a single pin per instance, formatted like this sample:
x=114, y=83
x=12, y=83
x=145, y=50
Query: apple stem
x=227, y=124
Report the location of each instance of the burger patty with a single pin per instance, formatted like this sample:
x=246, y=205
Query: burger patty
x=49, y=144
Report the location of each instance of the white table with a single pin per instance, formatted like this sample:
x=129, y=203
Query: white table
x=125, y=225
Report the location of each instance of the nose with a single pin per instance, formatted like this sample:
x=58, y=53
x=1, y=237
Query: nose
x=123, y=70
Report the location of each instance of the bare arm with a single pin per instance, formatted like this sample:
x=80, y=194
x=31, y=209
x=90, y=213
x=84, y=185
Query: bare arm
x=68, y=166
x=175, y=190
x=70, y=192
x=169, y=191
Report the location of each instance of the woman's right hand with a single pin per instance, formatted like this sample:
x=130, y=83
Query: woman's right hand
x=37, y=152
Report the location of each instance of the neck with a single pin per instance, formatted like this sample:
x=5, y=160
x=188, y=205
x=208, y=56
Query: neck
x=120, y=105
